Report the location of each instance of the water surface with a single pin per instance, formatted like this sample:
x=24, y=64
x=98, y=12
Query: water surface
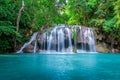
x=60, y=67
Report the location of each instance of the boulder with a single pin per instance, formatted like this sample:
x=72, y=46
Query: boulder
x=115, y=50
x=28, y=49
x=101, y=48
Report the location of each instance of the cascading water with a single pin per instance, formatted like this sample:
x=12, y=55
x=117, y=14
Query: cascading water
x=52, y=41
x=61, y=43
x=63, y=38
x=43, y=41
x=92, y=41
x=33, y=38
x=69, y=41
x=87, y=39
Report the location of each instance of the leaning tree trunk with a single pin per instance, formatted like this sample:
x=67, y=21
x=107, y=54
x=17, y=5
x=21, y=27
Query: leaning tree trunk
x=19, y=15
x=18, y=21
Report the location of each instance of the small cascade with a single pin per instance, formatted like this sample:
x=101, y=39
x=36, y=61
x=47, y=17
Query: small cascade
x=52, y=41
x=69, y=39
x=87, y=39
x=61, y=43
x=33, y=38
x=35, y=47
x=63, y=38
x=43, y=41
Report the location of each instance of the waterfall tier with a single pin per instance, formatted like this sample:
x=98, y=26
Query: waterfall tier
x=62, y=38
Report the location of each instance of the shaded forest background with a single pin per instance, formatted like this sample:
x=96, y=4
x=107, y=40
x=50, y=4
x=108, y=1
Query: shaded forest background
x=37, y=15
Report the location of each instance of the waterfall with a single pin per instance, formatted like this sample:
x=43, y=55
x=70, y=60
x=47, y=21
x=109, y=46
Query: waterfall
x=43, y=41
x=87, y=39
x=92, y=41
x=64, y=38
x=35, y=47
x=68, y=36
x=52, y=41
x=33, y=38
x=61, y=43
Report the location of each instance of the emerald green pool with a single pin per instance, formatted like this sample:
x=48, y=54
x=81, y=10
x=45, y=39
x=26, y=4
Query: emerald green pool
x=60, y=67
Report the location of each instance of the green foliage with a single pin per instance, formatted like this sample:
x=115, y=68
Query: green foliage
x=7, y=25
x=7, y=30
x=7, y=34
x=109, y=25
x=117, y=11
x=8, y=11
x=81, y=12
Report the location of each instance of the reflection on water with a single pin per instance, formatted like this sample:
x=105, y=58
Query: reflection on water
x=60, y=67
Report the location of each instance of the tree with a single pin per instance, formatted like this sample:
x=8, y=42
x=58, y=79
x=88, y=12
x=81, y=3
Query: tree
x=117, y=11
x=7, y=25
x=19, y=15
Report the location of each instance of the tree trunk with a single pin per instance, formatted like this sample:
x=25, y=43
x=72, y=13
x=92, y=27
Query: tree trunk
x=18, y=21
x=19, y=15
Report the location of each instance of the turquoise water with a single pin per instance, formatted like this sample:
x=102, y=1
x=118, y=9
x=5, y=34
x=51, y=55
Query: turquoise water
x=60, y=67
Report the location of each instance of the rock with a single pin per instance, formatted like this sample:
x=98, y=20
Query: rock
x=78, y=38
x=28, y=49
x=101, y=48
x=115, y=50
x=33, y=43
x=99, y=37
